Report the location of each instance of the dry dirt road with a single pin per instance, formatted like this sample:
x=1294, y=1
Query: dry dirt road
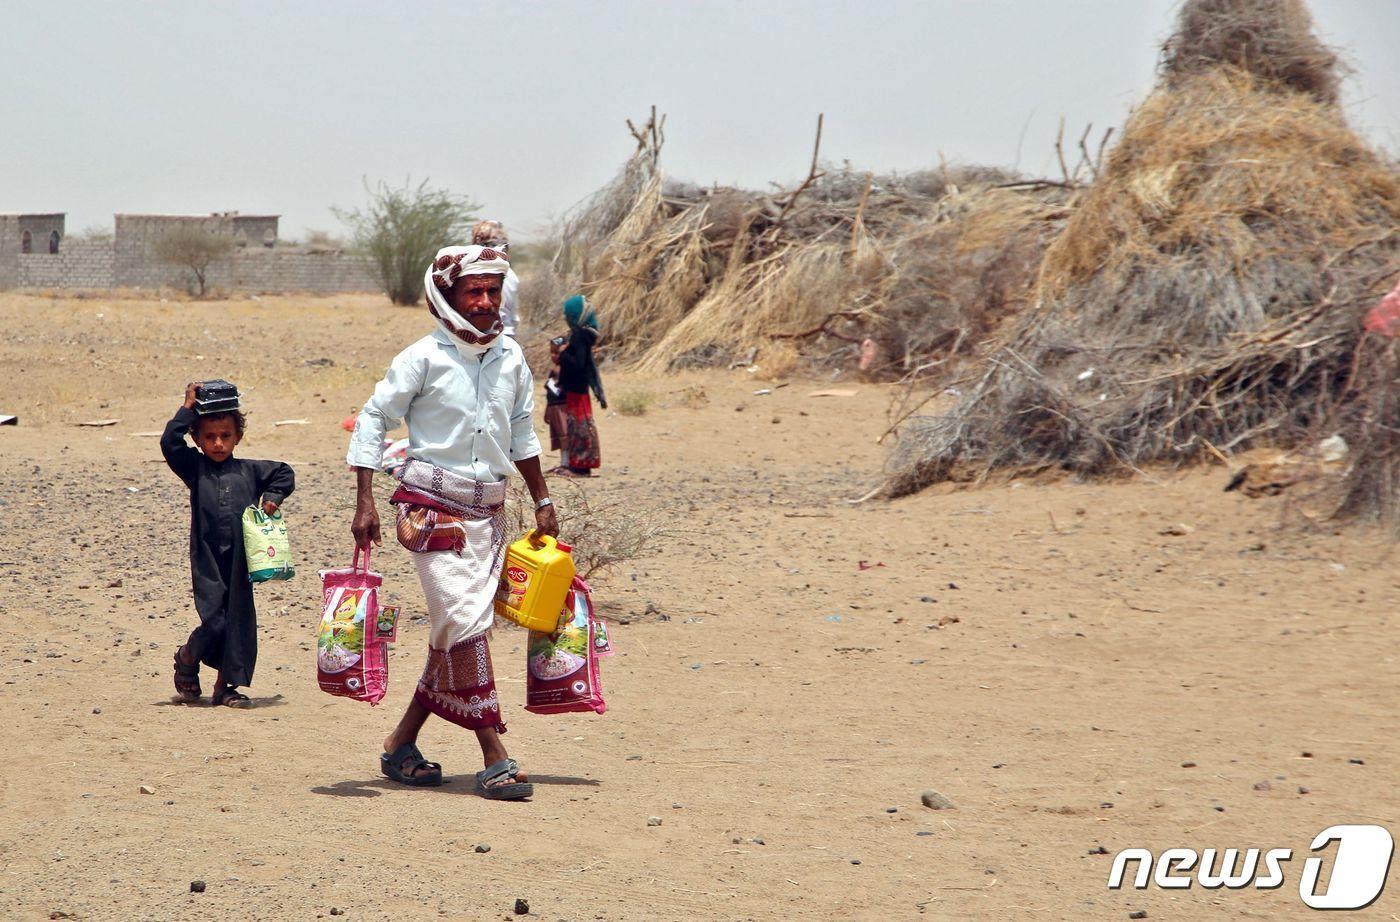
x=1072, y=678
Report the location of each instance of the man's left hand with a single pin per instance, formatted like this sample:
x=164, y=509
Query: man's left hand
x=270, y=508
x=546, y=522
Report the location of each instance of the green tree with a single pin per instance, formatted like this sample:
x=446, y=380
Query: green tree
x=194, y=248
x=400, y=229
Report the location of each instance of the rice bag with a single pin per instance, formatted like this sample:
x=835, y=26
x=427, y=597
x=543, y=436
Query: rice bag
x=561, y=669
x=352, y=643
x=266, y=545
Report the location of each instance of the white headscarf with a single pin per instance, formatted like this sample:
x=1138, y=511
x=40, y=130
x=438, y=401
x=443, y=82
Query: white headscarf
x=450, y=264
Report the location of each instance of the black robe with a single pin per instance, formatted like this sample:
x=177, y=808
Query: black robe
x=227, y=638
x=578, y=373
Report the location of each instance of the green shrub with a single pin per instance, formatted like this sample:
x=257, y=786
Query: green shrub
x=634, y=403
x=401, y=229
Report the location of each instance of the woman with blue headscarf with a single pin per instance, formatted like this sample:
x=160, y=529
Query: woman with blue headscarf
x=577, y=375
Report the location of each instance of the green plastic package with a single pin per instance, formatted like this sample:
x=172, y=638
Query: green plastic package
x=265, y=543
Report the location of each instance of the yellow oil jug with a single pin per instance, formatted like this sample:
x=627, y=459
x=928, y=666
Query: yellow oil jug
x=534, y=583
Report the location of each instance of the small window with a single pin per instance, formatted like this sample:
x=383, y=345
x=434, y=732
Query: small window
x=26, y=242
x=269, y=237
x=53, y=242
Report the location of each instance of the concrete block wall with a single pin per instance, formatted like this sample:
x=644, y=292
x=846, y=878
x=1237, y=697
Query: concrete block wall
x=129, y=260
x=282, y=269
x=13, y=227
x=40, y=227
x=134, y=261
x=254, y=230
x=77, y=264
x=9, y=250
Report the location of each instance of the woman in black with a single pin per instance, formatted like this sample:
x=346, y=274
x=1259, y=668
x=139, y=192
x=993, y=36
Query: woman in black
x=221, y=487
x=577, y=375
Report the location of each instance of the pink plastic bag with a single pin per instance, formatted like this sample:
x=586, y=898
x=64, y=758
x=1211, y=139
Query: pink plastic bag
x=561, y=669
x=1384, y=318
x=352, y=643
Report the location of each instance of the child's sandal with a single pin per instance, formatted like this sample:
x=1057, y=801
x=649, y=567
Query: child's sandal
x=186, y=680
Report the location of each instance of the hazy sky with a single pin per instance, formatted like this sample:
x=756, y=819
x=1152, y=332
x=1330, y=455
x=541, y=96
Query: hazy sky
x=284, y=106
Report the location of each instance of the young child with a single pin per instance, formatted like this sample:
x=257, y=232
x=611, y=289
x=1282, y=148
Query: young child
x=221, y=487
x=554, y=401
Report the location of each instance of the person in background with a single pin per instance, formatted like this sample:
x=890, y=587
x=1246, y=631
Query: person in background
x=554, y=413
x=578, y=374
x=221, y=487
x=493, y=234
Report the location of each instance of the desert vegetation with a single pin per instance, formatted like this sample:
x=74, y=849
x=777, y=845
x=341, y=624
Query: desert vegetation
x=193, y=249
x=400, y=228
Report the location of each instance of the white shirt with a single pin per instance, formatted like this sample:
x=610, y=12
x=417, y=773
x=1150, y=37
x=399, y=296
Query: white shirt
x=510, y=302
x=470, y=415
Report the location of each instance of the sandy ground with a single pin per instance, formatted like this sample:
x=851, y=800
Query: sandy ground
x=1040, y=653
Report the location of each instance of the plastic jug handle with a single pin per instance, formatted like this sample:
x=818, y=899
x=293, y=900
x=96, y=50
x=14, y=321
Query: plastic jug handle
x=540, y=539
x=355, y=564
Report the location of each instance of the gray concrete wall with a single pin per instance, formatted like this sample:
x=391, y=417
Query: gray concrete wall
x=254, y=230
x=9, y=251
x=129, y=260
x=134, y=260
x=12, y=230
x=82, y=264
x=40, y=226
x=286, y=269
x=78, y=264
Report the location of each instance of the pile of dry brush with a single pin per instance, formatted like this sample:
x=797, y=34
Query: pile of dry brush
x=1207, y=292
x=922, y=264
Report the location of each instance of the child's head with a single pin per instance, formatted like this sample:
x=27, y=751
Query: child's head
x=218, y=433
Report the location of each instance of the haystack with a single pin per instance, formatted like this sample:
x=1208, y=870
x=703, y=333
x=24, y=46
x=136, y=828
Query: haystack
x=1205, y=295
x=1271, y=39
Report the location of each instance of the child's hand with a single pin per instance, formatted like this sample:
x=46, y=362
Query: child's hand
x=192, y=393
x=269, y=507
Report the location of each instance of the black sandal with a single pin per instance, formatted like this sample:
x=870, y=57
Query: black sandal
x=508, y=790
x=231, y=697
x=402, y=765
x=186, y=680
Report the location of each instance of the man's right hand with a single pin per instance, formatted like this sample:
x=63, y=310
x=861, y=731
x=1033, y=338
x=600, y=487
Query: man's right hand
x=365, y=528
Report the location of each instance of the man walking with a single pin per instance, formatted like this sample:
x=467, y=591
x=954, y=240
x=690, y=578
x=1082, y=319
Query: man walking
x=467, y=395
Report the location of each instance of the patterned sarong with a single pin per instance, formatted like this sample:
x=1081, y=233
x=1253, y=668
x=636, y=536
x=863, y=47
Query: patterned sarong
x=580, y=435
x=456, y=529
x=459, y=686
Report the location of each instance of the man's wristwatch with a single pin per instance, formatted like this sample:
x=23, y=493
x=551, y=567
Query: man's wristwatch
x=542, y=503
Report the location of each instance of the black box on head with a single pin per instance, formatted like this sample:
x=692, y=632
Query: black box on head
x=215, y=397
